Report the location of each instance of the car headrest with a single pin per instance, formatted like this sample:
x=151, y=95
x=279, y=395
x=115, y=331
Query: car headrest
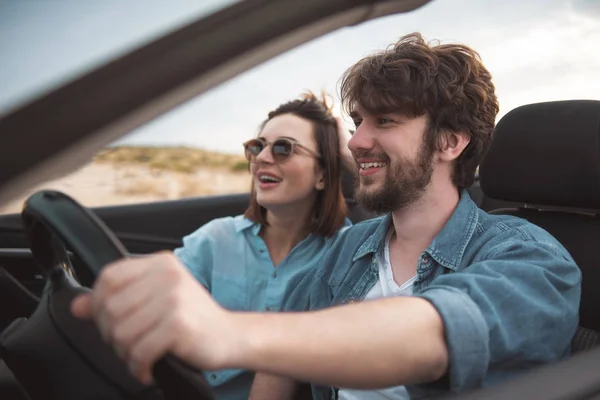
x=546, y=154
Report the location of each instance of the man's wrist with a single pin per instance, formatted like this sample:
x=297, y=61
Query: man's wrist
x=241, y=344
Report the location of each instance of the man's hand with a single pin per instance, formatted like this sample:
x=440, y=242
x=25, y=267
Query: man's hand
x=150, y=306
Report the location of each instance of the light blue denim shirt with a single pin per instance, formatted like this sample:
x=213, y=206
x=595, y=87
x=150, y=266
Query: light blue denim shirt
x=232, y=261
x=507, y=291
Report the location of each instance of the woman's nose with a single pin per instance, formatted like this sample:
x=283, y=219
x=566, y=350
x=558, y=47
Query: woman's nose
x=265, y=155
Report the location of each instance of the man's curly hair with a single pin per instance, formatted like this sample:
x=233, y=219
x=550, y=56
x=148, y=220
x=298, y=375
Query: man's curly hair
x=448, y=83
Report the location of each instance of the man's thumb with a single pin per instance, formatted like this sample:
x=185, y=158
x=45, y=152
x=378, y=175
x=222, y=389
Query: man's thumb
x=81, y=306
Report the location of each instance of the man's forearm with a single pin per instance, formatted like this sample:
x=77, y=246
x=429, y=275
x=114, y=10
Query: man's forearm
x=364, y=345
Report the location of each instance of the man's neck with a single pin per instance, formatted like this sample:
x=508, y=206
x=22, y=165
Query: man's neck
x=417, y=225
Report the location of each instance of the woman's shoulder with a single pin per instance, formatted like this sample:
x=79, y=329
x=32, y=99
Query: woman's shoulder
x=222, y=228
x=330, y=239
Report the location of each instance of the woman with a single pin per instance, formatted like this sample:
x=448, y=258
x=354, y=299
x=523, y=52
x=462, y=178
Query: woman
x=296, y=210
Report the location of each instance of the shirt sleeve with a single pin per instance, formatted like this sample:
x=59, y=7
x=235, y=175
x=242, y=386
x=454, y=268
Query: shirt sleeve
x=197, y=253
x=516, y=306
x=312, y=293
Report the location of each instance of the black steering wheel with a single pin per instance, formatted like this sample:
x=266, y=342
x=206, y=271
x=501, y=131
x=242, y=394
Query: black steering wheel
x=55, y=355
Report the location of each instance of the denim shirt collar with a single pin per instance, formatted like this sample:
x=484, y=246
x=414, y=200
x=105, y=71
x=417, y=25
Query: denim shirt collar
x=444, y=249
x=376, y=240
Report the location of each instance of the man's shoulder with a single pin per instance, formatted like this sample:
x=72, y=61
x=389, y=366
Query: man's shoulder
x=363, y=228
x=501, y=230
x=352, y=244
x=352, y=237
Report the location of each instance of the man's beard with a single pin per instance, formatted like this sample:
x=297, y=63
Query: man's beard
x=404, y=184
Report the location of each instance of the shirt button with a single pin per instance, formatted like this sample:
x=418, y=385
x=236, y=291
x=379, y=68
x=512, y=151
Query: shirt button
x=268, y=308
x=262, y=250
x=425, y=259
x=213, y=377
x=274, y=275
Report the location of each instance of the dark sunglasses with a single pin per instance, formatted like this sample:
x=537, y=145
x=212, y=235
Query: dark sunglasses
x=281, y=149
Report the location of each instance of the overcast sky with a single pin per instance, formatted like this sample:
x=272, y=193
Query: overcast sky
x=537, y=50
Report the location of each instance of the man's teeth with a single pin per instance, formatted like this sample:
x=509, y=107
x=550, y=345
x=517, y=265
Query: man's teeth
x=372, y=165
x=268, y=178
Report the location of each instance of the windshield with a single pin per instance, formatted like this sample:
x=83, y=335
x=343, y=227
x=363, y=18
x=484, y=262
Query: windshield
x=46, y=43
x=536, y=50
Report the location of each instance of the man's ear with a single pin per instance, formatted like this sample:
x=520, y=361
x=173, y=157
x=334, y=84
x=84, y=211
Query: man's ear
x=454, y=143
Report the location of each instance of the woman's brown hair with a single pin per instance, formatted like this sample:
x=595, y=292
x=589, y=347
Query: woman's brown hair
x=330, y=209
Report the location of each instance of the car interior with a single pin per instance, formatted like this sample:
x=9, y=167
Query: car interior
x=531, y=171
x=552, y=170
x=543, y=165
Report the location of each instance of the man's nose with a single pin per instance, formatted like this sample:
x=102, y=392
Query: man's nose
x=361, y=139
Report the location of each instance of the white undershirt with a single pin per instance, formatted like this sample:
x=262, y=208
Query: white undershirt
x=384, y=287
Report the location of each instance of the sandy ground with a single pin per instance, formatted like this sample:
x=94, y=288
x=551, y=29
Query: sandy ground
x=100, y=184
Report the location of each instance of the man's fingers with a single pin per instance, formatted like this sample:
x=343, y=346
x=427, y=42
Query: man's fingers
x=115, y=277
x=81, y=306
x=145, y=308
x=116, y=274
x=123, y=304
x=136, y=325
x=149, y=348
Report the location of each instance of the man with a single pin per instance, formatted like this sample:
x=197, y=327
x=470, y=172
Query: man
x=435, y=297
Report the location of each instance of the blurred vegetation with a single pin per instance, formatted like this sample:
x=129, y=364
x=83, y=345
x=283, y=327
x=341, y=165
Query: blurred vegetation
x=177, y=159
x=240, y=166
